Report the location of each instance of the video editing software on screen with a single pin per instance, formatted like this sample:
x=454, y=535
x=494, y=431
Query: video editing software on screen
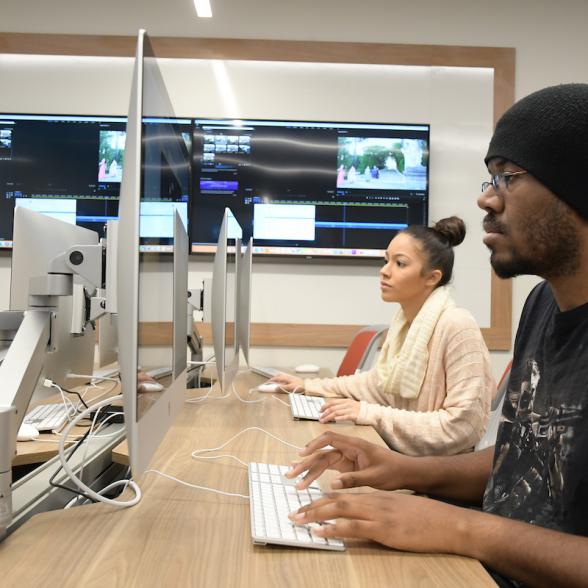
x=71, y=168
x=299, y=188
x=306, y=188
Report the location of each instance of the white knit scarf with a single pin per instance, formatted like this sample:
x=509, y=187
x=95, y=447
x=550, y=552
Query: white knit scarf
x=402, y=363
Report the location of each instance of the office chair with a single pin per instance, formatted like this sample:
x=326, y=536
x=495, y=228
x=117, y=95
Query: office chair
x=362, y=351
x=489, y=437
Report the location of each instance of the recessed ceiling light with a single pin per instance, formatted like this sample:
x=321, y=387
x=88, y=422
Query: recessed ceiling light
x=203, y=9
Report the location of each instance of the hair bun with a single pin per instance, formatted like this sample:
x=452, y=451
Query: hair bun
x=452, y=229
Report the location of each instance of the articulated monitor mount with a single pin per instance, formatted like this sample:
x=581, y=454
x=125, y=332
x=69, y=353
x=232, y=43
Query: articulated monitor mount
x=31, y=340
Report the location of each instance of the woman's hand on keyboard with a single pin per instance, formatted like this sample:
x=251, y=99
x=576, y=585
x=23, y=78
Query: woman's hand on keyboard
x=360, y=462
x=398, y=520
x=339, y=409
x=289, y=383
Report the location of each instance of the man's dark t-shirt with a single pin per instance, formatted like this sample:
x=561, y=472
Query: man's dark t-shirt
x=540, y=463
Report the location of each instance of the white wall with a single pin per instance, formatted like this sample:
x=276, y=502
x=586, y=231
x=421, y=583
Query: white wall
x=549, y=38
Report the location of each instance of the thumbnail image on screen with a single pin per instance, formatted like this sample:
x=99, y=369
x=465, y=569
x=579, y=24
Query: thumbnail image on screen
x=371, y=163
x=111, y=154
x=308, y=188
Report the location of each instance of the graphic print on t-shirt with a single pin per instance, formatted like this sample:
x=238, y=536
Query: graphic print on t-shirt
x=537, y=437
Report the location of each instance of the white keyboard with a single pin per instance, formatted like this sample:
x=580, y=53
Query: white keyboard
x=266, y=372
x=272, y=498
x=305, y=407
x=47, y=417
x=160, y=372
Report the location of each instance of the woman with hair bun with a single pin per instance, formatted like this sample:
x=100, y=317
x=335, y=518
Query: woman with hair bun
x=431, y=389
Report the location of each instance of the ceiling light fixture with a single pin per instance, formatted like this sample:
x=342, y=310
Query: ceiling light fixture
x=203, y=9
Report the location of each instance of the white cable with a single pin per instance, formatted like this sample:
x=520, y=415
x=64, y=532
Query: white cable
x=280, y=400
x=71, y=502
x=206, y=396
x=69, y=439
x=108, y=391
x=93, y=378
x=88, y=439
x=221, y=457
x=95, y=495
x=124, y=483
x=196, y=451
x=67, y=403
x=200, y=362
x=243, y=400
x=195, y=486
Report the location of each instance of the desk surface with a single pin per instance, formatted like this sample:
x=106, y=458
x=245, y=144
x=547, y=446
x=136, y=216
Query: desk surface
x=178, y=536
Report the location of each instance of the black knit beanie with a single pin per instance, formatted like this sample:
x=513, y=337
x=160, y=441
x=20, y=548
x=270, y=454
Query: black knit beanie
x=546, y=133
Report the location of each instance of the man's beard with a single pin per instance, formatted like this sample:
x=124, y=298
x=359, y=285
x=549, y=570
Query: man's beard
x=552, y=244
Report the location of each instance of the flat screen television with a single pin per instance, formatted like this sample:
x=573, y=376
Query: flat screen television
x=307, y=188
x=70, y=167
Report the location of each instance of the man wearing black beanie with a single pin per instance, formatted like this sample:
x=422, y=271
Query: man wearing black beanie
x=533, y=486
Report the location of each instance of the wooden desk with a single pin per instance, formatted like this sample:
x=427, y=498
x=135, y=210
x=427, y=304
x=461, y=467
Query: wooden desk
x=178, y=536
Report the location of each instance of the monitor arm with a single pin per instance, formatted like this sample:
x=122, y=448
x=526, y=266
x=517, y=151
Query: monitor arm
x=19, y=373
x=23, y=364
x=84, y=261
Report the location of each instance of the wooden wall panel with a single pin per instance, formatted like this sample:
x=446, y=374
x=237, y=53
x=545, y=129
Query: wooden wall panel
x=501, y=59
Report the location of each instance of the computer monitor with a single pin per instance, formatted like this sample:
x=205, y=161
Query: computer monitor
x=70, y=167
x=38, y=239
x=148, y=415
x=244, y=284
x=224, y=306
x=308, y=188
x=107, y=340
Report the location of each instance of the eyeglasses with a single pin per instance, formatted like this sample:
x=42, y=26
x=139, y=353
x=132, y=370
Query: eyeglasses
x=498, y=181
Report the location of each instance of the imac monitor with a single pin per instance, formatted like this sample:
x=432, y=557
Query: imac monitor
x=38, y=239
x=143, y=286
x=308, y=188
x=107, y=340
x=224, y=306
x=243, y=320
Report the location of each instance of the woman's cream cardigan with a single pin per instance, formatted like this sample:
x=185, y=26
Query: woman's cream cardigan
x=452, y=410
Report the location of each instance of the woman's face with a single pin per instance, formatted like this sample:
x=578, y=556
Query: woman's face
x=403, y=279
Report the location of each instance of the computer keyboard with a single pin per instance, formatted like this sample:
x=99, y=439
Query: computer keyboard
x=160, y=372
x=305, y=407
x=266, y=372
x=272, y=498
x=47, y=417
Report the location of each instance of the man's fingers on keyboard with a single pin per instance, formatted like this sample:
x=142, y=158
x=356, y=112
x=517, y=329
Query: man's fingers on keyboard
x=336, y=440
x=316, y=464
x=346, y=529
x=353, y=479
x=333, y=506
x=314, y=471
x=306, y=513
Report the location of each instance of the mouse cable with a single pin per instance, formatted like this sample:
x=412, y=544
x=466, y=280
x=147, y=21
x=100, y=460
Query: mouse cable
x=196, y=452
x=88, y=491
x=78, y=443
x=196, y=486
x=62, y=390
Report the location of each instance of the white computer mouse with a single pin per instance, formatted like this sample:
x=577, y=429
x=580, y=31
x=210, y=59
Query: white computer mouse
x=269, y=387
x=307, y=368
x=27, y=432
x=150, y=387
